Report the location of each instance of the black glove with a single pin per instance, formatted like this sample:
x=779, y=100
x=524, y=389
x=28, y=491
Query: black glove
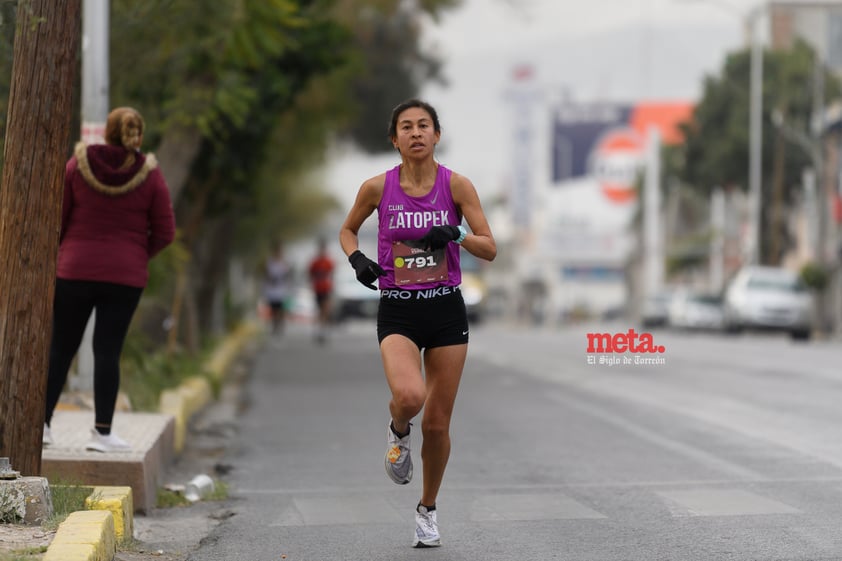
x=439, y=236
x=367, y=270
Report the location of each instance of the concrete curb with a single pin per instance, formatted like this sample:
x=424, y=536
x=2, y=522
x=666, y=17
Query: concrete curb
x=182, y=403
x=118, y=501
x=86, y=535
x=93, y=535
x=195, y=392
x=220, y=361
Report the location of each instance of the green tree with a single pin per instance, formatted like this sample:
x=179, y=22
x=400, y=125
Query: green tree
x=715, y=152
x=242, y=98
x=391, y=65
x=242, y=103
x=220, y=85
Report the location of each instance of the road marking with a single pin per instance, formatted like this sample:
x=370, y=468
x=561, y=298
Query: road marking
x=782, y=428
x=698, y=500
x=723, y=502
x=623, y=423
x=321, y=511
x=529, y=506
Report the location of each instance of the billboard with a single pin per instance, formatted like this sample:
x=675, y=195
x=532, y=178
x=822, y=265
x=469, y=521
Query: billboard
x=607, y=142
x=598, y=153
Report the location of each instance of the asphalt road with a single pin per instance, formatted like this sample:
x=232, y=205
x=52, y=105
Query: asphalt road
x=730, y=449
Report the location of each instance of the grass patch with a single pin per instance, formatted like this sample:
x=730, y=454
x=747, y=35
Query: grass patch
x=220, y=491
x=29, y=554
x=170, y=499
x=67, y=498
x=145, y=373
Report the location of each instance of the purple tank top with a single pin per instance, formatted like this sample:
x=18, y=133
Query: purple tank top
x=403, y=218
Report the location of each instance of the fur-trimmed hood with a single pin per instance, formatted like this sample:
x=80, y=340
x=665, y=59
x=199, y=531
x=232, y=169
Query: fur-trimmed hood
x=103, y=167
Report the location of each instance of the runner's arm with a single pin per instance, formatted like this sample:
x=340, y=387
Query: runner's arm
x=479, y=241
x=366, y=202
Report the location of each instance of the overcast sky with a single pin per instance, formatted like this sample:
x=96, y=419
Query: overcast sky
x=487, y=25
x=592, y=50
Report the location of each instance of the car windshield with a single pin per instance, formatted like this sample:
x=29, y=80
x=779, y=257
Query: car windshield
x=779, y=284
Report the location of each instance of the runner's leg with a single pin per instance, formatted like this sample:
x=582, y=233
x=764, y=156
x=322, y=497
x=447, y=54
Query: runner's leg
x=402, y=365
x=443, y=369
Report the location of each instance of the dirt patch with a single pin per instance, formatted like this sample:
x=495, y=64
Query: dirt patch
x=17, y=537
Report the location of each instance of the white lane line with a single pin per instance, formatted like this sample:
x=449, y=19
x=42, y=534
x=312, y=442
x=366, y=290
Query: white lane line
x=529, y=506
x=722, y=502
x=696, y=454
x=329, y=511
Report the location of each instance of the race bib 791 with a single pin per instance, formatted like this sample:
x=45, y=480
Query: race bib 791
x=414, y=265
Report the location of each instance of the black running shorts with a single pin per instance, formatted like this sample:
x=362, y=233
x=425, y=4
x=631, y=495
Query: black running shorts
x=434, y=317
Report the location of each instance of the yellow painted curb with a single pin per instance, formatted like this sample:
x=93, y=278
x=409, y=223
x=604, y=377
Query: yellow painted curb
x=171, y=402
x=195, y=392
x=182, y=403
x=118, y=501
x=72, y=552
x=86, y=535
x=224, y=355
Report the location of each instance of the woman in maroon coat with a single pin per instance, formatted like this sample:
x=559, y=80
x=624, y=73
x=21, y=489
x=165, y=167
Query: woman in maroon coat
x=116, y=215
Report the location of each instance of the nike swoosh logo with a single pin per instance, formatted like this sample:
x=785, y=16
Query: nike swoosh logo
x=435, y=198
x=464, y=333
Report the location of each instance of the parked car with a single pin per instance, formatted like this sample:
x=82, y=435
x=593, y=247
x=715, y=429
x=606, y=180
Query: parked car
x=655, y=311
x=696, y=310
x=772, y=298
x=474, y=290
x=351, y=299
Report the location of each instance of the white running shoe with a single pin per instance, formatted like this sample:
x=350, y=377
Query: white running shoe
x=107, y=443
x=47, y=439
x=426, y=528
x=398, y=460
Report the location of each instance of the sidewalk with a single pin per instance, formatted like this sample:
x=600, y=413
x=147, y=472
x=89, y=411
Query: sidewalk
x=128, y=481
x=151, y=435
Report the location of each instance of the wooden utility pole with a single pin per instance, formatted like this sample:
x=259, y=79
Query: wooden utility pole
x=44, y=68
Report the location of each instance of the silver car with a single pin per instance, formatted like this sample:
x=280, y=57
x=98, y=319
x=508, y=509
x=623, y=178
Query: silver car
x=772, y=298
x=696, y=310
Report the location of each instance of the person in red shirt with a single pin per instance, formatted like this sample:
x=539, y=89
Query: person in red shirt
x=116, y=215
x=321, y=279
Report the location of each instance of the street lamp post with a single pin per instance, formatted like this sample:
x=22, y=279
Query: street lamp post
x=755, y=170
x=755, y=122
x=95, y=18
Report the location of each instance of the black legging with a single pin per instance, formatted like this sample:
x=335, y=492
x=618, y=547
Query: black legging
x=74, y=301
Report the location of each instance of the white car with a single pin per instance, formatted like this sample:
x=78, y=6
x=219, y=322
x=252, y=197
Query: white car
x=351, y=299
x=694, y=310
x=655, y=312
x=771, y=298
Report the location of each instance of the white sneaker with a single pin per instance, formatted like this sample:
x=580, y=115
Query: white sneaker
x=47, y=439
x=426, y=528
x=398, y=459
x=107, y=443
